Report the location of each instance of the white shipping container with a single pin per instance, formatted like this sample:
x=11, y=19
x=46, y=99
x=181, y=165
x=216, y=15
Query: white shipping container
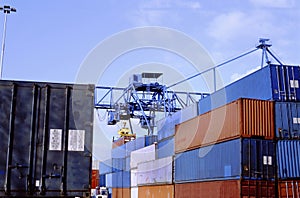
x=108, y=179
x=133, y=177
x=154, y=172
x=142, y=155
x=134, y=192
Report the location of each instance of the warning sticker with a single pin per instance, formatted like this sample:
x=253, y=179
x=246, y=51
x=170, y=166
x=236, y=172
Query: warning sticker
x=76, y=140
x=55, y=140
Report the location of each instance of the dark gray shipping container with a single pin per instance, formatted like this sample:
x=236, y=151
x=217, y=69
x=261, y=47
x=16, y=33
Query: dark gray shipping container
x=287, y=120
x=46, y=134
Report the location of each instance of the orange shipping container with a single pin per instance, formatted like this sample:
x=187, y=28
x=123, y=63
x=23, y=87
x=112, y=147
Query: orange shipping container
x=226, y=188
x=95, y=179
x=159, y=191
x=241, y=118
x=121, y=193
x=289, y=188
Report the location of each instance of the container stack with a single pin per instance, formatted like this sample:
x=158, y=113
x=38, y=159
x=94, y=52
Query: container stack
x=117, y=171
x=288, y=148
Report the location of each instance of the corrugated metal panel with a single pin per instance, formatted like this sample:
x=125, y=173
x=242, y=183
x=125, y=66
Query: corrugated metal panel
x=118, y=179
x=133, y=175
x=142, y=155
x=288, y=159
x=102, y=180
x=105, y=166
x=134, y=192
x=150, y=139
x=118, y=164
x=241, y=118
x=166, y=126
x=159, y=191
x=166, y=148
x=239, y=158
x=95, y=179
x=155, y=172
x=289, y=188
x=138, y=143
x=121, y=192
x=287, y=120
x=225, y=189
x=273, y=82
x=44, y=127
x=109, y=180
x=119, y=152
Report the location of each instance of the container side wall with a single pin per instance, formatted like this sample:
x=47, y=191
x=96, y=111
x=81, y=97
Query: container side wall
x=159, y=191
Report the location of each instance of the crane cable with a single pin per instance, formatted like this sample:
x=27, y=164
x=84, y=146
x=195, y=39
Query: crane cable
x=214, y=67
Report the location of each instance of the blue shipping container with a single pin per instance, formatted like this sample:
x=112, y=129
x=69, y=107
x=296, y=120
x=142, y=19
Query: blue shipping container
x=119, y=152
x=118, y=164
x=287, y=120
x=136, y=144
x=102, y=180
x=121, y=179
x=150, y=139
x=235, y=159
x=105, y=167
x=273, y=82
x=288, y=159
x=165, y=148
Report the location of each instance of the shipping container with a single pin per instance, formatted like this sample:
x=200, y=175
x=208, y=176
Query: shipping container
x=109, y=180
x=95, y=179
x=288, y=188
x=122, y=140
x=118, y=164
x=225, y=189
x=241, y=118
x=121, y=192
x=105, y=166
x=288, y=159
x=133, y=177
x=287, y=120
x=118, y=179
x=234, y=159
x=142, y=155
x=134, y=192
x=273, y=82
x=119, y=152
x=159, y=191
x=102, y=180
x=165, y=148
x=166, y=126
x=46, y=135
x=155, y=172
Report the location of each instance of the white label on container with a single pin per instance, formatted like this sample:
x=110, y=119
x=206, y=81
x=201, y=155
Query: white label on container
x=76, y=140
x=265, y=160
x=296, y=120
x=37, y=183
x=294, y=83
x=270, y=160
x=55, y=140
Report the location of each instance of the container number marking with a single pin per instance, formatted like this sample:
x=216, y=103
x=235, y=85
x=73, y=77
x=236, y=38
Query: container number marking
x=76, y=140
x=55, y=140
x=294, y=83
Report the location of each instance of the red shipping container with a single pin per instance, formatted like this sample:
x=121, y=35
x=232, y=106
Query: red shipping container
x=241, y=118
x=95, y=179
x=226, y=189
x=289, y=188
x=157, y=191
x=121, y=193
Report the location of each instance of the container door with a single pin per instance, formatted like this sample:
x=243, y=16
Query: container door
x=18, y=112
x=285, y=82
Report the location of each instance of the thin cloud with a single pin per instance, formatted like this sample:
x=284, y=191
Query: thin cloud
x=274, y=3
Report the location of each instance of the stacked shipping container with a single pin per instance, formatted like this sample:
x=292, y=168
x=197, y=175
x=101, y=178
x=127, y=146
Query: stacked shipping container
x=244, y=143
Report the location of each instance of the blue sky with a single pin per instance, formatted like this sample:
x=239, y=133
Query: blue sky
x=50, y=40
